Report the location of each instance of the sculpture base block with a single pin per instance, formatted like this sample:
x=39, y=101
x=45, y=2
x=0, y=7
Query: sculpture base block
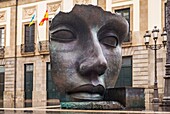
x=129, y=97
x=92, y=105
x=165, y=102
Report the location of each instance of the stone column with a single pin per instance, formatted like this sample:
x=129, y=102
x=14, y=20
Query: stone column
x=166, y=98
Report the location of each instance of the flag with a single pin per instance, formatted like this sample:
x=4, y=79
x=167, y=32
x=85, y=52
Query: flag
x=32, y=19
x=44, y=19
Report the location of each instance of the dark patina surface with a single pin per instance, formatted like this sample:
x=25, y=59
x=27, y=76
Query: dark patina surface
x=129, y=97
x=85, y=52
x=95, y=105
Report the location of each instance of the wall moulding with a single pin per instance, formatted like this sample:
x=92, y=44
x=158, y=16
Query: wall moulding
x=118, y=1
x=28, y=12
x=54, y=7
x=82, y=1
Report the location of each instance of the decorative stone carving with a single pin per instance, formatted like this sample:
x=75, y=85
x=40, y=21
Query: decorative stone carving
x=82, y=1
x=2, y=16
x=28, y=12
x=53, y=7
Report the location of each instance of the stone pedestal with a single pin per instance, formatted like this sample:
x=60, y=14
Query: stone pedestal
x=129, y=97
x=92, y=105
x=166, y=98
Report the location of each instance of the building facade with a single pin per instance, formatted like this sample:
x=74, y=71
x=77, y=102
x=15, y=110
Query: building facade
x=24, y=54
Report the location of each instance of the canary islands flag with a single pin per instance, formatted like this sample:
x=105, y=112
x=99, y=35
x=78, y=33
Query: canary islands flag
x=32, y=19
x=44, y=19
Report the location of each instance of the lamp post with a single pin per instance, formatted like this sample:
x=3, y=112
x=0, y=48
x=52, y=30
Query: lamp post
x=155, y=47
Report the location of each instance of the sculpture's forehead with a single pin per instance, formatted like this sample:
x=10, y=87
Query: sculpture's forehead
x=84, y=17
x=88, y=15
x=92, y=14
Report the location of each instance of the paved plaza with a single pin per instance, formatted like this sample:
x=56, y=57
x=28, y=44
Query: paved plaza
x=55, y=109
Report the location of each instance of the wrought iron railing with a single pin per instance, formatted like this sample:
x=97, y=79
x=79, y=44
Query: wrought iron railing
x=2, y=51
x=44, y=47
x=27, y=48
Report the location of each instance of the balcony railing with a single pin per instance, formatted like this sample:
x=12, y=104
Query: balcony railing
x=44, y=47
x=2, y=51
x=28, y=48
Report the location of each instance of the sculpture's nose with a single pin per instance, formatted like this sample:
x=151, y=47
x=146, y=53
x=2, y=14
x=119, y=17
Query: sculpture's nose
x=94, y=61
x=93, y=65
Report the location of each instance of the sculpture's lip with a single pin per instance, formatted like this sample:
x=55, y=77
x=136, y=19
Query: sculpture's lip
x=86, y=96
x=88, y=89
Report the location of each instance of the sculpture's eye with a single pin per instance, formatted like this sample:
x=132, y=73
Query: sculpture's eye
x=109, y=39
x=63, y=36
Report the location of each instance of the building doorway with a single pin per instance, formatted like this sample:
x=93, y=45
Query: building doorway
x=28, y=79
x=125, y=75
x=2, y=75
x=51, y=89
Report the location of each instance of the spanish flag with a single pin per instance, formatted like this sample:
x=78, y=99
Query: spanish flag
x=32, y=19
x=44, y=19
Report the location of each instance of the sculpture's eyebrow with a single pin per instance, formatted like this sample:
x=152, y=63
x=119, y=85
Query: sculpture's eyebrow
x=70, y=22
x=69, y=19
x=119, y=27
x=61, y=27
x=109, y=27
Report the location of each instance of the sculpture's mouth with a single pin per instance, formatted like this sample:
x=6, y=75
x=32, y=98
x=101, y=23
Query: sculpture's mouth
x=87, y=92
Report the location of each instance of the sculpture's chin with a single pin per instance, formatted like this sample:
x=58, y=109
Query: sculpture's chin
x=86, y=96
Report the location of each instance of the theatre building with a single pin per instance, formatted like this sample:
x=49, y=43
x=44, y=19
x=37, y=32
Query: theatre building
x=25, y=73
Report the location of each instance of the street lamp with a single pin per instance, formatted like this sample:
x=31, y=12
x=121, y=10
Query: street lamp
x=155, y=47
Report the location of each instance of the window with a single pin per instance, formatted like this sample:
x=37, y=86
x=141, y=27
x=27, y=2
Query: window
x=29, y=38
x=125, y=75
x=126, y=14
x=2, y=37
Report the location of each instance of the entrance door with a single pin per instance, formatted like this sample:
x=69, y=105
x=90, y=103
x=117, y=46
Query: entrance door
x=51, y=89
x=28, y=86
x=125, y=76
x=29, y=38
x=2, y=74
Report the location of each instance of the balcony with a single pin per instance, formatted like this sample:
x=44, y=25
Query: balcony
x=44, y=47
x=28, y=49
x=2, y=51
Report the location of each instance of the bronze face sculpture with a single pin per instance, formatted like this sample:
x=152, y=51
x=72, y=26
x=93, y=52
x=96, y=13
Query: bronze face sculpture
x=85, y=52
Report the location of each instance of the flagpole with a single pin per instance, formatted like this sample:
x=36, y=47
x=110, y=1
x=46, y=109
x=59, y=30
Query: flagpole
x=37, y=30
